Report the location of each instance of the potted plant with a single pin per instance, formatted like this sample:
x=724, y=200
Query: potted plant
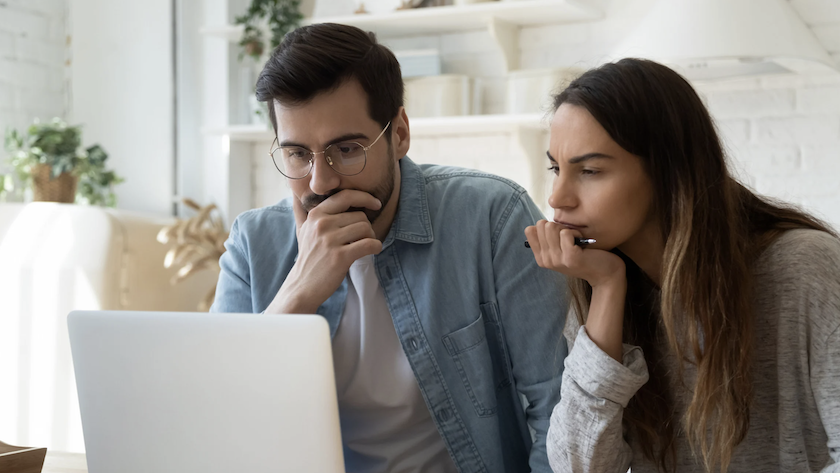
x=282, y=17
x=50, y=159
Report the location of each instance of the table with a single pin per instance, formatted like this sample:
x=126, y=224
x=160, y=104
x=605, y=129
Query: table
x=64, y=462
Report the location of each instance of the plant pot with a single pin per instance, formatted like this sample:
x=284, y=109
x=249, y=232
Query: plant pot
x=47, y=189
x=254, y=48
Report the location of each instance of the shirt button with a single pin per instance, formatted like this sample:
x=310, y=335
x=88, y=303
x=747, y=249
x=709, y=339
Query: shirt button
x=443, y=415
x=412, y=342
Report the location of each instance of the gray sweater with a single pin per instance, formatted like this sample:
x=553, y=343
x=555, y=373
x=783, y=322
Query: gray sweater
x=795, y=415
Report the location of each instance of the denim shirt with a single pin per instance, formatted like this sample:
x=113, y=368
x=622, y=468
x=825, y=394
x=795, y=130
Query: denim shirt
x=481, y=324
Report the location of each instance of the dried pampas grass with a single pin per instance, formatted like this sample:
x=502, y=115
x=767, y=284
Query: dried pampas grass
x=199, y=243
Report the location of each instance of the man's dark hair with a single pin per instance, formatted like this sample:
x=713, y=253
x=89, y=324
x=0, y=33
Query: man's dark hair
x=320, y=58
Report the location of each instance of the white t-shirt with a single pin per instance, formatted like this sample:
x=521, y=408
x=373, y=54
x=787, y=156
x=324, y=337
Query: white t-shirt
x=385, y=424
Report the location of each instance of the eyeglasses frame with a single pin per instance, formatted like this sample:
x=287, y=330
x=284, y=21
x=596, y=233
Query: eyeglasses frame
x=312, y=154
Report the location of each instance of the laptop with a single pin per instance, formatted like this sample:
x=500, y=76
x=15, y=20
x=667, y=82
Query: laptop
x=196, y=392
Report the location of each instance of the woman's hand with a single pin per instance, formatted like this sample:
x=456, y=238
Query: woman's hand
x=554, y=248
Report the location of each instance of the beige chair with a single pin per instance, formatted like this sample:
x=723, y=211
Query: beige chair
x=55, y=258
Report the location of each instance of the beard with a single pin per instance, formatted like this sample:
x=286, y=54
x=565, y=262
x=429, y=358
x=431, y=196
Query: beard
x=383, y=191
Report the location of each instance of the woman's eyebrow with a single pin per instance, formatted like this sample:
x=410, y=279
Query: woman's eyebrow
x=588, y=156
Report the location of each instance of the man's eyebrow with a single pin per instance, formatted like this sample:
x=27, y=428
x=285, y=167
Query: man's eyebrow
x=550, y=157
x=588, y=156
x=345, y=137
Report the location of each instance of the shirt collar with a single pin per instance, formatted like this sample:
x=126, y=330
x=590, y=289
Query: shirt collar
x=412, y=222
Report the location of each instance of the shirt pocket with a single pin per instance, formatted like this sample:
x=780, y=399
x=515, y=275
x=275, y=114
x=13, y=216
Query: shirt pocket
x=471, y=354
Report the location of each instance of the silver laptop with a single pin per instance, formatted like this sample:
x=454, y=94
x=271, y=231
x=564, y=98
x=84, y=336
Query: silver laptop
x=195, y=392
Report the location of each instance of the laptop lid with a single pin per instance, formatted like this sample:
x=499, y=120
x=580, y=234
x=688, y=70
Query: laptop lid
x=197, y=392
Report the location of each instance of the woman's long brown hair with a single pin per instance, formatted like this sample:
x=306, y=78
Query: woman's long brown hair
x=713, y=228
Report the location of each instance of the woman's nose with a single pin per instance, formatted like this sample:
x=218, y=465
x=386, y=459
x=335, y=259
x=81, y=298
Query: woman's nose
x=563, y=193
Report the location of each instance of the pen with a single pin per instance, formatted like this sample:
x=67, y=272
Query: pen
x=578, y=242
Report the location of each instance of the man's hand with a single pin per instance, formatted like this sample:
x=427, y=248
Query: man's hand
x=330, y=239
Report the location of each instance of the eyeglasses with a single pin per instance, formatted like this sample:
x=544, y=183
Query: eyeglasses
x=347, y=158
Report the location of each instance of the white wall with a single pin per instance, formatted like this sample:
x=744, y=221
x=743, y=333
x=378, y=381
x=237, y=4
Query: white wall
x=783, y=133
x=122, y=91
x=106, y=65
x=32, y=55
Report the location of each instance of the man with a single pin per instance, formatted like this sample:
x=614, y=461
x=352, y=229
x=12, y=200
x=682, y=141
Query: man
x=447, y=337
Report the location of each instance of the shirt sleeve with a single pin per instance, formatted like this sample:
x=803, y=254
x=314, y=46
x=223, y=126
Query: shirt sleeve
x=233, y=289
x=586, y=433
x=532, y=307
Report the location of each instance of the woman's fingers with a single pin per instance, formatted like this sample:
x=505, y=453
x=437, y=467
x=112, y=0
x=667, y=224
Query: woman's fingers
x=553, y=245
x=571, y=253
x=554, y=248
x=547, y=245
x=533, y=241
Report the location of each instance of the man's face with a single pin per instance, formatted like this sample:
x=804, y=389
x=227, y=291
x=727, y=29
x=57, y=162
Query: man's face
x=338, y=116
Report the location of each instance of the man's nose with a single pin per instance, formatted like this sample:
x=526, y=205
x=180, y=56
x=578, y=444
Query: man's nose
x=323, y=178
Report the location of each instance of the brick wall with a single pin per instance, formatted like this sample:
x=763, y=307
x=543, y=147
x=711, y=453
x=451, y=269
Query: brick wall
x=32, y=61
x=783, y=136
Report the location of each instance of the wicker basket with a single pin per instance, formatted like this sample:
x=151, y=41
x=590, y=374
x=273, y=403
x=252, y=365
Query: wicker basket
x=46, y=189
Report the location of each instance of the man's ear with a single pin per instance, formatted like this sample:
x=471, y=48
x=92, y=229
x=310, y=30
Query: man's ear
x=400, y=134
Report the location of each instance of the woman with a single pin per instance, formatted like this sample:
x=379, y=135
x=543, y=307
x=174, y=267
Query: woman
x=706, y=331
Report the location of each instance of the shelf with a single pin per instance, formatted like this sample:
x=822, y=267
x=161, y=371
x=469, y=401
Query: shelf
x=455, y=18
x=502, y=19
x=420, y=127
x=231, y=33
x=242, y=132
x=475, y=124
x=449, y=18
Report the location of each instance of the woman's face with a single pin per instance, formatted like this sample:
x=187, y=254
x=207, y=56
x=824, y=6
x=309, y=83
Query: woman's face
x=599, y=188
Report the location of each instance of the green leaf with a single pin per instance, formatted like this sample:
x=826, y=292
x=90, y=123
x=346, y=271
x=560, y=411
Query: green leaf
x=58, y=145
x=282, y=16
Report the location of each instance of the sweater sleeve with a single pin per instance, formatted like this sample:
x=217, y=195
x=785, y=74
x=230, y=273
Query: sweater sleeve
x=825, y=382
x=586, y=433
x=822, y=293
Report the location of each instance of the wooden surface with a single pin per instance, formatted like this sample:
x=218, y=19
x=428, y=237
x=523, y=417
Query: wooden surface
x=64, y=462
x=21, y=459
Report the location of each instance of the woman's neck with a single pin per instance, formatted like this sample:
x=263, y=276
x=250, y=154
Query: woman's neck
x=646, y=249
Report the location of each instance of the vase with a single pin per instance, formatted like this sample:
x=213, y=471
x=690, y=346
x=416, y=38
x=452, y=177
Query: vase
x=45, y=188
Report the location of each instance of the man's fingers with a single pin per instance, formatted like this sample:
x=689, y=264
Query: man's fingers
x=300, y=214
x=341, y=201
x=356, y=231
x=364, y=247
x=347, y=218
